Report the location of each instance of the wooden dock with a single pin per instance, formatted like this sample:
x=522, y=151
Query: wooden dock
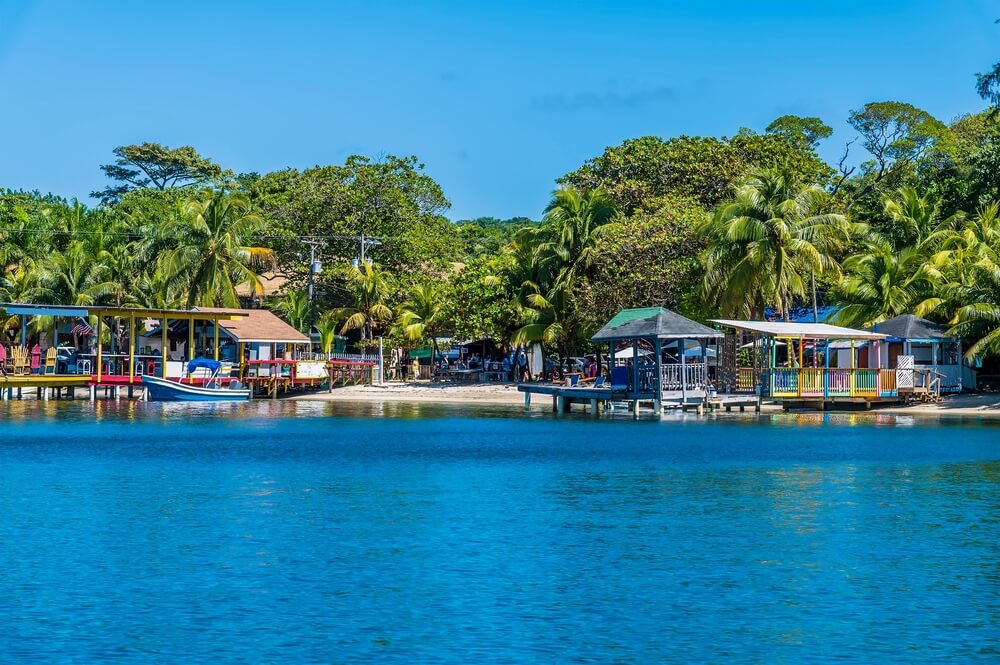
x=563, y=397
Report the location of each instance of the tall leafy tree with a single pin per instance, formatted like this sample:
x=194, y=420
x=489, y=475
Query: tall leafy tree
x=882, y=281
x=369, y=289
x=766, y=243
x=211, y=252
x=422, y=314
x=575, y=223
x=154, y=166
x=294, y=305
x=800, y=131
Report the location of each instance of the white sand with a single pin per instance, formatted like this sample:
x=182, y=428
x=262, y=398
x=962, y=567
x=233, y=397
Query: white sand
x=483, y=393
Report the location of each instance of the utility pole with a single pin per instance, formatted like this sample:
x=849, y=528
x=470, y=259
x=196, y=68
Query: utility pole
x=366, y=242
x=314, y=265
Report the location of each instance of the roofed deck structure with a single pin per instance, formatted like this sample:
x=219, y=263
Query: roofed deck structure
x=649, y=359
x=796, y=364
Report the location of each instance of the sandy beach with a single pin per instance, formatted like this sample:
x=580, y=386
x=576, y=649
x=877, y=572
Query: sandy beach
x=986, y=404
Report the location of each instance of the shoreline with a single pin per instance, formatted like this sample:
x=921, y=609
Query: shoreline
x=978, y=405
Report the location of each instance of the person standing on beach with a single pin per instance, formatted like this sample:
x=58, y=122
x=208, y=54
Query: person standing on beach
x=522, y=365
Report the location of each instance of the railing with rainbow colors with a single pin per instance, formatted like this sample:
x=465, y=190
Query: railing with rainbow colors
x=824, y=383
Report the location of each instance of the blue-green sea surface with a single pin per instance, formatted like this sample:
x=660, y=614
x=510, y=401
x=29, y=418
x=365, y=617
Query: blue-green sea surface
x=331, y=533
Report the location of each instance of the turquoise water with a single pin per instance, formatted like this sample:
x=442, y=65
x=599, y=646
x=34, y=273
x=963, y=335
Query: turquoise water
x=300, y=533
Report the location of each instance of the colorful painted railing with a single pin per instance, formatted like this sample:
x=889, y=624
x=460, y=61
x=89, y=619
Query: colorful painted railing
x=746, y=380
x=806, y=382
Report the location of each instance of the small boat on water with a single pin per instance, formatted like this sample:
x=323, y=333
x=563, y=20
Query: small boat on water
x=166, y=390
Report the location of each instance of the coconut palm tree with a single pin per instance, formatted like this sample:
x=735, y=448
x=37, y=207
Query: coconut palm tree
x=766, y=243
x=296, y=309
x=979, y=318
x=881, y=282
x=421, y=315
x=575, y=222
x=550, y=317
x=369, y=288
x=19, y=285
x=326, y=325
x=211, y=252
x=76, y=277
x=913, y=217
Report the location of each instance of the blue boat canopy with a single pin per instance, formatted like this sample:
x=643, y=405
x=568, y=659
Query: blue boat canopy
x=206, y=363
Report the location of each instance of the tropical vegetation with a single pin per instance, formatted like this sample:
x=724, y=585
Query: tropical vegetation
x=754, y=224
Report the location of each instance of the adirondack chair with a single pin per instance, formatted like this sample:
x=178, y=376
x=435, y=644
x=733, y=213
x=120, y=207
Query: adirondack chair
x=4, y=361
x=50, y=361
x=36, y=359
x=21, y=360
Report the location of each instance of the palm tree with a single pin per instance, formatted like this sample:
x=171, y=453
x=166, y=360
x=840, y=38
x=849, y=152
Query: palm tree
x=420, y=316
x=369, y=287
x=76, y=277
x=979, y=319
x=19, y=285
x=296, y=308
x=575, y=222
x=881, y=282
x=765, y=243
x=326, y=325
x=914, y=218
x=211, y=253
x=550, y=317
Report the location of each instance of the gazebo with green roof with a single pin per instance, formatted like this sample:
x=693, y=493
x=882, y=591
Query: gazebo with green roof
x=652, y=331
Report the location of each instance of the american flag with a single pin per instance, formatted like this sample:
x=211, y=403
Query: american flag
x=81, y=328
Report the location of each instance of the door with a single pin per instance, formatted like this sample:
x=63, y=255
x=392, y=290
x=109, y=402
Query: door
x=895, y=350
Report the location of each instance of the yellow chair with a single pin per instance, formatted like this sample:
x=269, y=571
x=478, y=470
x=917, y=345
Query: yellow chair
x=21, y=360
x=50, y=361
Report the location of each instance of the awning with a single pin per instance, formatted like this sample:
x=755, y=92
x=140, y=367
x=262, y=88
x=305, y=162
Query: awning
x=795, y=330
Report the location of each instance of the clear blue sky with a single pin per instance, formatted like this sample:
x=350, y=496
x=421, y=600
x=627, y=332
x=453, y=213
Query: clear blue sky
x=497, y=99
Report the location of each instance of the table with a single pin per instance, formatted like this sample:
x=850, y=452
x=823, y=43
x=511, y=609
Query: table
x=494, y=375
x=464, y=375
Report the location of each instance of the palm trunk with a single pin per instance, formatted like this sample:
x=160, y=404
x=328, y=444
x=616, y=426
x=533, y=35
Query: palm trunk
x=815, y=308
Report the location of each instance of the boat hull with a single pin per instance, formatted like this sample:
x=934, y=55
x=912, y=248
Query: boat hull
x=163, y=390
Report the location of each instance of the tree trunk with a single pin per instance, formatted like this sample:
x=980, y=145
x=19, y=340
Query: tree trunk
x=815, y=308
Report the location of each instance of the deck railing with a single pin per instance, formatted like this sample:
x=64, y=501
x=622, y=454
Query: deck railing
x=806, y=382
x=695, y=376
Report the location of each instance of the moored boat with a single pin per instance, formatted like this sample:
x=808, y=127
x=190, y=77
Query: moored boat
x=163, y=390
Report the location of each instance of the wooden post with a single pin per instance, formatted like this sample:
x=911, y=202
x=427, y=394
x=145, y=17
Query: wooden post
x=216, y=322
x=635, y=366
x=100, y=322
x=681, y=349
x=854, y=364
x=131, y=350
x=190, y=348
x=163, y=351
x=527, y=399
x=658, y=396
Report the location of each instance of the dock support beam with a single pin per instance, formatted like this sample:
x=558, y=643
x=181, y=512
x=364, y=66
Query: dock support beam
x=527, y=400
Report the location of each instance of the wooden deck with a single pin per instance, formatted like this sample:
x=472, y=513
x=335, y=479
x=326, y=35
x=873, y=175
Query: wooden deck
x=563, y=397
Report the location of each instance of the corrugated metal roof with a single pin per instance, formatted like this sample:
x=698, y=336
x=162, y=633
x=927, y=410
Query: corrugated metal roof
x=810, y=330
x=653, y=322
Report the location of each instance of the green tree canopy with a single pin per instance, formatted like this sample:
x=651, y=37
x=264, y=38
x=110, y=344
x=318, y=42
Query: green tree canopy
x=799, y=130
x=154, y=166
x=640, y=171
